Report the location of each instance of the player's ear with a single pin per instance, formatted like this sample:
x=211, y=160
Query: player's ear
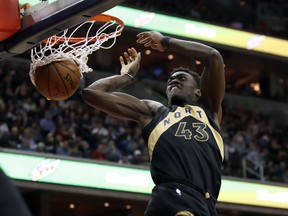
x=198, y=93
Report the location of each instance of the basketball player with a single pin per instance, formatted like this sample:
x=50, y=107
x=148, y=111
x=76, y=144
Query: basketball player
x=184, y=141
x=11, y=201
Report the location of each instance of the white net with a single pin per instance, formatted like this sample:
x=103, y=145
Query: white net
x=58, y=48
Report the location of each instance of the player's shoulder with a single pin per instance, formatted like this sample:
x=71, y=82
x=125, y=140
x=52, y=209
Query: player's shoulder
x=153, y=105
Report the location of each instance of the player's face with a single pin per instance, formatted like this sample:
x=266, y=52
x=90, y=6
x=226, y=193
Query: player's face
x=181, y=87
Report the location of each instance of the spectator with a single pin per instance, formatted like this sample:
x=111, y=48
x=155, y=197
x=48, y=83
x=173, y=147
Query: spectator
x=113, y=154
x=13, y=138
x=136, y=158
x=28, y=142
x=100, y=152
x=63, y=148
x=46, y=123
x=4, y=129
x=41, y=147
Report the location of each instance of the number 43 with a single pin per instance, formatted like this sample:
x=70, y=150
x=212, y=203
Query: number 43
x=198, y=128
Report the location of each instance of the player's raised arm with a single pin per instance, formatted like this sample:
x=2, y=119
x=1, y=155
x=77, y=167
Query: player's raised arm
x=212, y=83
x=102, y=93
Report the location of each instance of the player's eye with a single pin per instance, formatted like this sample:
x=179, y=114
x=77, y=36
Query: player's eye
x=182, y=78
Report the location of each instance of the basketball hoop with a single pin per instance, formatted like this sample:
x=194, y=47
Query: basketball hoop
x=71, y=46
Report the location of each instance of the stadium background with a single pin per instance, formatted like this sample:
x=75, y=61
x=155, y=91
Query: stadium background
x=254, y=124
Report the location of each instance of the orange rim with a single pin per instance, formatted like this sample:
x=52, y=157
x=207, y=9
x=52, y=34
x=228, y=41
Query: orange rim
x=100, y=18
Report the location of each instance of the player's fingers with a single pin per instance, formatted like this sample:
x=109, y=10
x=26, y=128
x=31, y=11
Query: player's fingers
x=139, y=55
x=121, y=59
x=131, y=55
x=133, y=49
x=148, y=44
x=141, y=34
x=147, y=39
x=132, y=52
x=143, y=40
x=139, y=39
x=127, y=57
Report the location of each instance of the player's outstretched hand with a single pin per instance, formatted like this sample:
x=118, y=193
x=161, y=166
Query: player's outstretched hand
x=130, y=62
x=151, y=39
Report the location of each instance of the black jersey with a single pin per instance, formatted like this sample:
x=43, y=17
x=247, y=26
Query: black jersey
x=184, y=143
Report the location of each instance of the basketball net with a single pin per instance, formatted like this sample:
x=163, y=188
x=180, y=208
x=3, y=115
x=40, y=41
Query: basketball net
x=69, y=46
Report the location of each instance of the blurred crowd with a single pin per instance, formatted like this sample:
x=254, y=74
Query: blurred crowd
x=256, y=137
x=29, y=122
x=263, y=17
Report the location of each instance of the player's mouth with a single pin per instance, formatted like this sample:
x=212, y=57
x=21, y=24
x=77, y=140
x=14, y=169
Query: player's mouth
x=174, y=86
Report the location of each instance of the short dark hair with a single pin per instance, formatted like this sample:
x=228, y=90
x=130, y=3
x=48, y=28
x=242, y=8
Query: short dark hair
x=189, y=71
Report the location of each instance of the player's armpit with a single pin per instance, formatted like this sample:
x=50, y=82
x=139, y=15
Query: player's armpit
x=118, y=105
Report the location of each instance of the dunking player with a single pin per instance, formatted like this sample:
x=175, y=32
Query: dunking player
x=184, y=142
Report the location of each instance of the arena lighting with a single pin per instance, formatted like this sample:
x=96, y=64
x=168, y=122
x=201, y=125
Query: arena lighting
x=170, y=57
x=256, y=87
x=148, y=52
x=201, y=31
x=119, y=178
x=242, y=3
x=106, y=204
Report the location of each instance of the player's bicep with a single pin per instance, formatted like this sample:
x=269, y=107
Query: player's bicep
x=213, y=82
x=116, y=104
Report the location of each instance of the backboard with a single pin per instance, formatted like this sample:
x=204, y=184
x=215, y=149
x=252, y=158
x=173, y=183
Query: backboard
x=46, y=18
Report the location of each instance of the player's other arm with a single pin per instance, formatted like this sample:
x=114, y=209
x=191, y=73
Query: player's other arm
x=212, y=83
x=102, y=93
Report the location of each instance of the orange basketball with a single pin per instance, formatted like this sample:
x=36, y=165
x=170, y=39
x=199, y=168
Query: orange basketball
x=58, y=80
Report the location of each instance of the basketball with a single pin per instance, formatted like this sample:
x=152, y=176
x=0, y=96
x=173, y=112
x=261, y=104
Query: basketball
x=58, y=80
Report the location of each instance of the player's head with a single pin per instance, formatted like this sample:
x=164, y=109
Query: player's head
x=183, y=85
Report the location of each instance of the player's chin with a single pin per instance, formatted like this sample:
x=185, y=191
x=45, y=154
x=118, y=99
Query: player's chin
x=173, y=91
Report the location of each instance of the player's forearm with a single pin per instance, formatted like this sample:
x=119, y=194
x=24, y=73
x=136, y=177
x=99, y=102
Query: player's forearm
x=196, y=50
x=110, y=84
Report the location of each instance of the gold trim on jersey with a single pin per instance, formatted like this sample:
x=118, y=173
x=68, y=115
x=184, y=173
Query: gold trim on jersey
x=176, y=116
x=184, y=213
